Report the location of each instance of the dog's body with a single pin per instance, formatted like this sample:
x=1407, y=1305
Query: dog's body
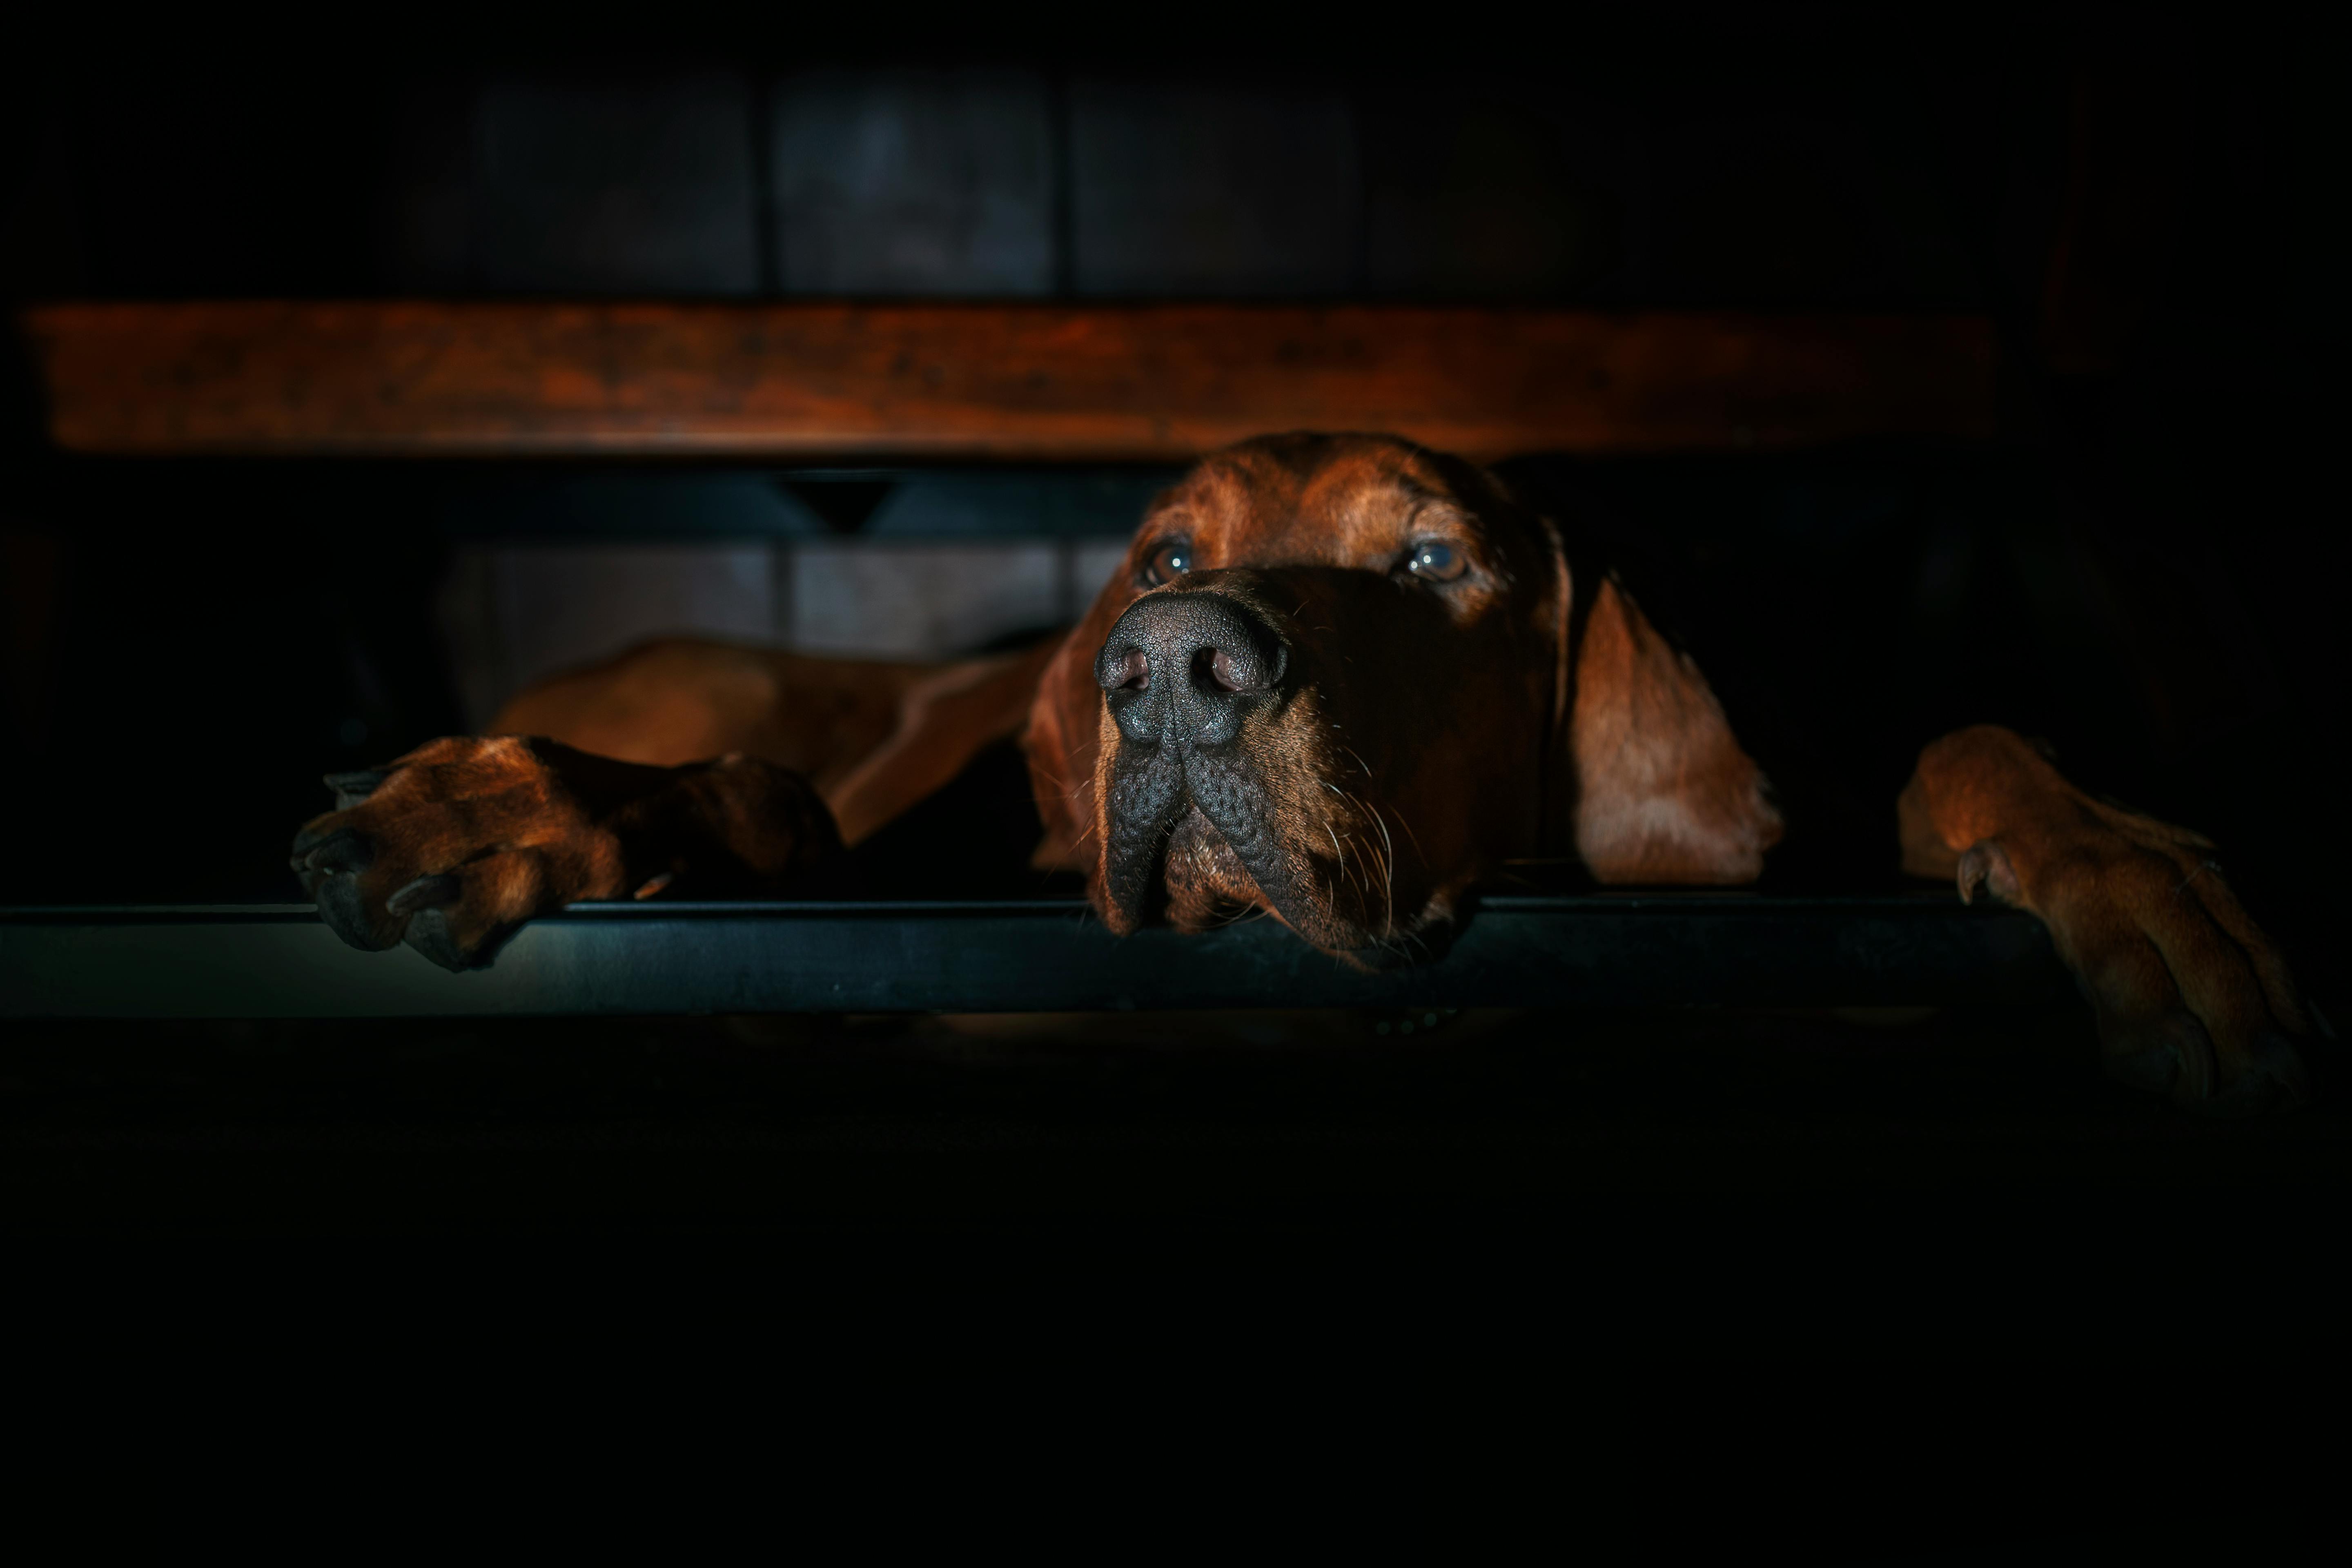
x=1340, y=679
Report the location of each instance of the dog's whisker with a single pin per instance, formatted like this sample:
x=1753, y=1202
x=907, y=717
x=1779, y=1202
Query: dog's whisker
x=1406, y=823
x=1344, y=869
x=1383, y=857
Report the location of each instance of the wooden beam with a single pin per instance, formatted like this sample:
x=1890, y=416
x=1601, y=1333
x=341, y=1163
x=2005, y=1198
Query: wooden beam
x=1064, y=382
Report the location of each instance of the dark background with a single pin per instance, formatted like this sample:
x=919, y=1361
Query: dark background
x=2143, y=567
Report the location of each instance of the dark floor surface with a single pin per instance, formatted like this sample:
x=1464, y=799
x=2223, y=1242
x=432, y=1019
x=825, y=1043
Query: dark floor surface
x=1240, y=1122
x=1812, y=1252
x=1914, y=1145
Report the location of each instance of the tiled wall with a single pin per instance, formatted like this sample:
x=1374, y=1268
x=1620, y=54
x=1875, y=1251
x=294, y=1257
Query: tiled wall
x=600, y=188
x=994, y=182
x=561, y=572
x=913, y=183
x=1619, y=184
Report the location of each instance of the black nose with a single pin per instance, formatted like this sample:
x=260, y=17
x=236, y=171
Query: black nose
x=1184, y=667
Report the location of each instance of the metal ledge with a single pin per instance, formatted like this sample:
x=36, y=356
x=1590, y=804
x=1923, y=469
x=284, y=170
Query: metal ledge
x=275, y=961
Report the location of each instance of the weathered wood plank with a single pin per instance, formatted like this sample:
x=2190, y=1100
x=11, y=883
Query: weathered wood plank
x=1028, y=382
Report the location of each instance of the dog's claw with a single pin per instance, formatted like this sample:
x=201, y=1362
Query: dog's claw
x=2151, y=1071
x=2276, y=1082
x=354, y=787
x=344, y=907
x=1987, y=866
x=2174, y=1057
x=345, y=849
x=427, y=892
x=429, y=934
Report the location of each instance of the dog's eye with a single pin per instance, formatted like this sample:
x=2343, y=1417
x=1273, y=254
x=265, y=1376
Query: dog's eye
x=1436, y=563
x=1170, y=559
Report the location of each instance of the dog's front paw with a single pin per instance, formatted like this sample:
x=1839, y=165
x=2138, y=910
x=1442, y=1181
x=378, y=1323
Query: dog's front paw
x=454, y=846
x=2193, y=999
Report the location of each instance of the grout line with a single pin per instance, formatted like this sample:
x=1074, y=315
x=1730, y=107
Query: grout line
x=1064, y=179
x=767, y=241
x=780, y=594
x=1066, y=580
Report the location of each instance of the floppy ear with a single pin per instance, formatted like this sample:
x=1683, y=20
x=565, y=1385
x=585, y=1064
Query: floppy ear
x=1061, y=741
x=1647, y=783
x=1560, y=628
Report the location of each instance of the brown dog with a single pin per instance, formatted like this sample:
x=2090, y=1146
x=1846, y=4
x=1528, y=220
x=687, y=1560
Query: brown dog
x=1341, y=679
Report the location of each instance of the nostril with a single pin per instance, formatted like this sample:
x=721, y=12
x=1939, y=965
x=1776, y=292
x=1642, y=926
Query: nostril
x=1179, y=647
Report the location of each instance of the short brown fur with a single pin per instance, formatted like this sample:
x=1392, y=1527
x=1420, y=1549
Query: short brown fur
x=1421, y=735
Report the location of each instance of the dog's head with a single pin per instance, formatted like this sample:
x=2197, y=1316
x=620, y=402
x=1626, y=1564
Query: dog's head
x=1333, y=680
